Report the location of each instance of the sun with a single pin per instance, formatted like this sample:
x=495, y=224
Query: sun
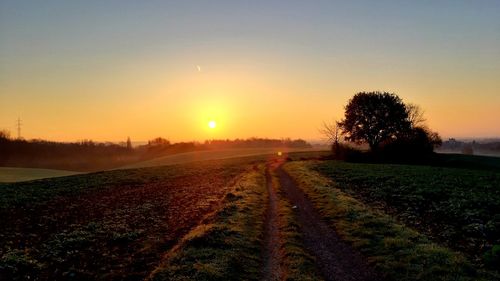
x=212, y=124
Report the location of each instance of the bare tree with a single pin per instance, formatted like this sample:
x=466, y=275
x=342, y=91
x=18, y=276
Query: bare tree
x=415, y=115
x=331, y=131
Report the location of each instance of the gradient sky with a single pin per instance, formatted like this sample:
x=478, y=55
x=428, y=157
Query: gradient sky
x=106, y=70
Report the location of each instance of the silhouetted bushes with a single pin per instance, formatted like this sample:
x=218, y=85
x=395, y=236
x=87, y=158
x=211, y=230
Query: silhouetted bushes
x=343, y=151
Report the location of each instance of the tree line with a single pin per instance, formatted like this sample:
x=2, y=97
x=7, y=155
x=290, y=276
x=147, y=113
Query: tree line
x=87, y=155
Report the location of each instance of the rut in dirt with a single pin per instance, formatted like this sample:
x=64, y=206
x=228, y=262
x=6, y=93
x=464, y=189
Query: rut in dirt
x=271, y=269
x=335, y=259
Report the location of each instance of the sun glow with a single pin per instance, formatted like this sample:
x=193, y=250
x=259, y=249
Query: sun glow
x=212, y=124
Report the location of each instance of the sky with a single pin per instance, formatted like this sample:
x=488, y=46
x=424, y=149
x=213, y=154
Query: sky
x=106, y=70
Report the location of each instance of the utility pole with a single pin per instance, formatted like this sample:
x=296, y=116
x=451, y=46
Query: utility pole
x=18, y=124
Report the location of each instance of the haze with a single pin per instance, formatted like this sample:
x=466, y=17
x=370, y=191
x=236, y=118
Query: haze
x=106, y=70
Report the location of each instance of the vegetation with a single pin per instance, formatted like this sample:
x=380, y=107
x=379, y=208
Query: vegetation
x=374, y=118
x=110, y=225
x=296, y=262
x=205, y=220
x=88, y=156
x=457, y=207
x=396, y=250
x=9, y=174
x=393, y=130
x=228, y=245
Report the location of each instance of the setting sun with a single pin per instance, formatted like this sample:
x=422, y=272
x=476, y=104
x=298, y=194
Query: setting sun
x=212, y=124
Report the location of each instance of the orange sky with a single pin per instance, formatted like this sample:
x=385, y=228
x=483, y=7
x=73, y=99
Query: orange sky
x=276, y=72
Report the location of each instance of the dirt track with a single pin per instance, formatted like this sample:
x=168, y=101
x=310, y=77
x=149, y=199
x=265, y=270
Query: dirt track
x=272, y=242
x=335, y=260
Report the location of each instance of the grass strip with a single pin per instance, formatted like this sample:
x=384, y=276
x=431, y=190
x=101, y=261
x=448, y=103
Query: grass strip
x=227, y=246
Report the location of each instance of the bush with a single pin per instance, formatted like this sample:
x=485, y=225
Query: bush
x=342, y=151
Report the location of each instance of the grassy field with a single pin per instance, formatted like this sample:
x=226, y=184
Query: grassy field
x=228, y=245
x=458, y=207
x=209, y=220
x=111, y=225
x=204, y=155
x=447, y=218
x=16, y=174
x=12, y=174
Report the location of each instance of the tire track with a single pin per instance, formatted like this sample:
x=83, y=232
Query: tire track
x=272, y=243
x=335, y=259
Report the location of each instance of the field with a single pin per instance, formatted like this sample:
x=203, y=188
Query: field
x=460, y=208
x=109, y=225
x=194, y=156
x=11, y=174
x=261, y=217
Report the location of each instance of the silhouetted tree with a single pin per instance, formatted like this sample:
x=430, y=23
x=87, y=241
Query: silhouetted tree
x=332, y=133
x=4, y=134
x=129, y=143
x=418, y=143
x=415, y=115
x=375, y=117
x=159, y=141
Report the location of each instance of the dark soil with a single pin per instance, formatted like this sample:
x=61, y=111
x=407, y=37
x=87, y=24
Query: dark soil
x=335, y=259
x=119, y=233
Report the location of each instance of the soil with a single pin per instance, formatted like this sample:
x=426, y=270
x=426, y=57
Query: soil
x=335, y=259
x=272, y=242
x=158, y=213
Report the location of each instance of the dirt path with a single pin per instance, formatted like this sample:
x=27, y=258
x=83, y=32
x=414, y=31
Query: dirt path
x=334, y=259
x=271, y=269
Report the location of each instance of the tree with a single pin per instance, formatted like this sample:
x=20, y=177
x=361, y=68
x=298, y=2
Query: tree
x=331, y=131
x=129, y=143
x=159, y=141
x=375, y=117
x=4, y=134
x=415, y=115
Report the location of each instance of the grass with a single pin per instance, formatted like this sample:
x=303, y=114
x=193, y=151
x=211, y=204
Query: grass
x=204, y=155
x=111, y=225
x=228, y=246
x=296, y=262
x=39, y=191
x=394, y=249
x=457, y=207
x=12, y=174
x=475, y=162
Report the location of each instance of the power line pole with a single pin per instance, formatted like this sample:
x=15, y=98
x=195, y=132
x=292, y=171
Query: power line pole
x=18, y=128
